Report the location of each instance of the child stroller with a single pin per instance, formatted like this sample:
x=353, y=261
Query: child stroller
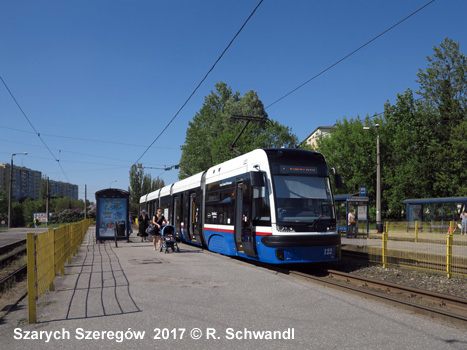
x=168, y=239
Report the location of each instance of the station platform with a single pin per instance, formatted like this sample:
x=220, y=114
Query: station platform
x=429, y=243
x=141, y=298
x=13, y=235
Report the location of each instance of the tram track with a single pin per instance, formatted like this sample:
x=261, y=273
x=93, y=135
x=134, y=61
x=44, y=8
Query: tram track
x=410, y=263
x=12, y=270
x=441, y=307
x=437, y=306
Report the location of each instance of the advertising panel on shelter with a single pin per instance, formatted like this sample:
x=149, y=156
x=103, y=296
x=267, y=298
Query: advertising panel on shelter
x=112, y=214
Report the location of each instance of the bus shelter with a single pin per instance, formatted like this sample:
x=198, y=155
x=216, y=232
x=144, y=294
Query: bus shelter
x=112, y=214
x=436, y=212
x=358, y=203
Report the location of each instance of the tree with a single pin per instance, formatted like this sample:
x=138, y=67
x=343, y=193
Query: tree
x=17, y=217
x=136, y=183
x=141, y=184
x=443, y=86
x=147, y=184
x=408, y=171
x=351, y=151
x=30, y=207
x=61, y=204
x=422, y=142
x=212, y=130
x=156, y=184
x=206, y=126
x=444, y=81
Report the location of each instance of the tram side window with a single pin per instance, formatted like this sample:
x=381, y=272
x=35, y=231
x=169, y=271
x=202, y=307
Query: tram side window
x=227, y=201
x=220, y=207
x=165, y=206
x=212, y=202
x=261, y=210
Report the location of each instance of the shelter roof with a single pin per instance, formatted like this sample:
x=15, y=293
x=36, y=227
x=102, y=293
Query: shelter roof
x=436, y=200
x=343, y=197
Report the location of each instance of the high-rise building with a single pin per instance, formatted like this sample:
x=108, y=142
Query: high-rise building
x=63, y=189
x=26, y=182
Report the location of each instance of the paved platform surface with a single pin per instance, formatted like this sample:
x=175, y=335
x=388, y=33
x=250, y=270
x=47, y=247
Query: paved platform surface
x=13, y=235
x=197, y=299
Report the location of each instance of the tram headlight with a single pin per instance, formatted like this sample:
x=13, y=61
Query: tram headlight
x=281, y=228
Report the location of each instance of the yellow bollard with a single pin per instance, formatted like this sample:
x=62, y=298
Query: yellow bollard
x=416, y=231
x=385, y=247
x=31, y=256
x=449, y=242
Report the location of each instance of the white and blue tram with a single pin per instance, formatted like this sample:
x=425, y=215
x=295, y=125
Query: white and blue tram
x=270, y=205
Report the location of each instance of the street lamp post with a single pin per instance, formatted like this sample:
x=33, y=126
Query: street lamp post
x=379, y=223
x=110, y=186
x=10, y=195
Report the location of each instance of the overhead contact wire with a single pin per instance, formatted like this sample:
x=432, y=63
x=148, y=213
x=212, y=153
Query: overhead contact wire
x=350, y=54
x=32, y=126
x=200, y=83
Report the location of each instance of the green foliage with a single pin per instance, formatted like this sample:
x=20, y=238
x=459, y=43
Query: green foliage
x=136, y=183
x=157, y=183
x=61, y=204
x=17, y=218
x=443, y=85
x=67, y=216
x=406, y=163
x=351, y=151
x=212, y=130
x=30, y=207
x=423, y=142
x=140, y=184
x=444, y=80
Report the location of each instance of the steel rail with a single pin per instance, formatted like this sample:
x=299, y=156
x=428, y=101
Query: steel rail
x=16, y=275
x=10, y=257
x=455, y=308
x=9, y=247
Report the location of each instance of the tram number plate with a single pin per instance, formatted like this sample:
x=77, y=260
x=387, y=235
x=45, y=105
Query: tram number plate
x=328, y=251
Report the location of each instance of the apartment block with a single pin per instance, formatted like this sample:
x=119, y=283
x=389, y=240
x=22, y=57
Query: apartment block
x=63, y=189
x=26, y=182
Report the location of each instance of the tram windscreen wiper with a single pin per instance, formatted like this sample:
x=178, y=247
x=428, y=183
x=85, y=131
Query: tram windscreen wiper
x=317, y=220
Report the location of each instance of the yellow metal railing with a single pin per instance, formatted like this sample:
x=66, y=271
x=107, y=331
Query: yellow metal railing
x=46, y=255
x=445, y=250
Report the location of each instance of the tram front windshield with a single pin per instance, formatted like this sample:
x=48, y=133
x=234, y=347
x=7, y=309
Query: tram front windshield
x=303, y=203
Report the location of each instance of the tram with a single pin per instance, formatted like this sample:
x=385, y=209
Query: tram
x=270, y=205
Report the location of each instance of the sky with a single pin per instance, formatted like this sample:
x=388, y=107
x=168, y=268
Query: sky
x=99, y=80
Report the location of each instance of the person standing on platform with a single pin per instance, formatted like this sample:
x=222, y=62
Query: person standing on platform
x=464, y=223
x=158, y=220
x=352, y=223
x=143, y=223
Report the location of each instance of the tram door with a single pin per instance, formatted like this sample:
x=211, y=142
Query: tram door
x=195, y=218
x=187, y=226
x=177, y=216
x=245, y=237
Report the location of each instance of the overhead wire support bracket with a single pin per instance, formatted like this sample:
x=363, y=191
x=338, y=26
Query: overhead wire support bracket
x=248, y=119
x=166, y=168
